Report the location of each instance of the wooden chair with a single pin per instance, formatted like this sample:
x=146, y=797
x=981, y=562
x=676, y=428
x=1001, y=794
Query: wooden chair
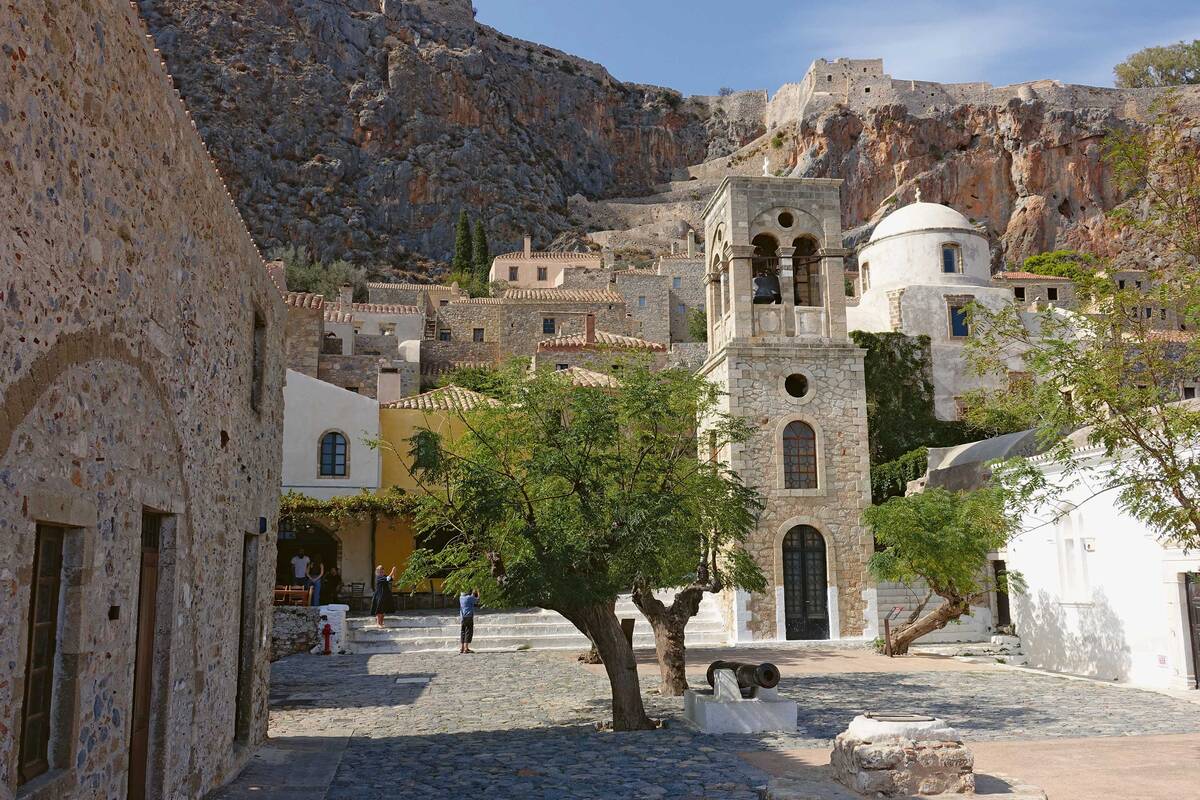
x=358, y=596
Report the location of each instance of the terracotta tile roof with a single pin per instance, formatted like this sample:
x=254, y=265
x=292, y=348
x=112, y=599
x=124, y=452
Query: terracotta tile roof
x=589, y=378
x=383, y=308
x=478, y=301
x=553, y=255
x=412, y=287
x=1171, y=336
x=1026, y=276
x=447, y=398
x=564, y=295
x=277, y=272
x=635, y=271
x=337, y=315
x=303, y=300
x=577, y=341
x=683, y=257
x=433, y=368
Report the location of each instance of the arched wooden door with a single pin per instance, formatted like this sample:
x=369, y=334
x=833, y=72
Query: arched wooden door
x=805, y=600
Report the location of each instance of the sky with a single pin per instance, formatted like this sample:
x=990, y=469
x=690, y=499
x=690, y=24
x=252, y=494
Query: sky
x=699, y=46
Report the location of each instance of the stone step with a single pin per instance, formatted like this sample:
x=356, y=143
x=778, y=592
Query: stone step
x=444, y=620
x=576, y=641
x=482, y=627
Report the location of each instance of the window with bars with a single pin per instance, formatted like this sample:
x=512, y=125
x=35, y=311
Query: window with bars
x=477, y=334
x=45, y=589
x=799, y=456
x=548, y=325
x=333, y=455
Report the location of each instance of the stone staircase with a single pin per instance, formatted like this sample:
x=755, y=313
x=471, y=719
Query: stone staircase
x=1000, y=648
x=512, y=629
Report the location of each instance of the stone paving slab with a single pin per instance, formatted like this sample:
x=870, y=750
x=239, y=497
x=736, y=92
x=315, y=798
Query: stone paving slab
x=522, y=725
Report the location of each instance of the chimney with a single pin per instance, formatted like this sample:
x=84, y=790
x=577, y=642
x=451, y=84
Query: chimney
x=589, y=329
x=346, y=294
x=528, y=245
x=691, y=243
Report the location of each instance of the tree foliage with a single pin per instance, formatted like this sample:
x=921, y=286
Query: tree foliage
x=1116, y=370
x=562, y=496
x=463, y=262
x=942, y=538
x=306, y=274
x=297, y=508
x=697, y=324
x=1169, y=65
x=1061, y=264
x=480, y=254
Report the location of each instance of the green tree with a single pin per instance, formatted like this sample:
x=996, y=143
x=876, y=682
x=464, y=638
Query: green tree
x=306, y=274
x=462, y=263
x=697, y=323
x=561, y=497
x=1170, y=65
x=944, y=539
x=1113, y=371
x=479, y=252
x=1062, y=264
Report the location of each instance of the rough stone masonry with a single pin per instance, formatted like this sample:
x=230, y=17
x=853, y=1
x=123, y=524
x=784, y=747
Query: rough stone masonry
x=141, y=372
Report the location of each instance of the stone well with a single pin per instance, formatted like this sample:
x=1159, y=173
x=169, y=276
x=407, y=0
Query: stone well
x=902, y=754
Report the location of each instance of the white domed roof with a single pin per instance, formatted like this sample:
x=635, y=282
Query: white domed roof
x=919, y=217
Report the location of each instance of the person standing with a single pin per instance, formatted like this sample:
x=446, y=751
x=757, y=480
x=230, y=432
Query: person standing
x=331, y=586
x=467, y=603
x=381, y=600
x=314, y=581
x=300, y=568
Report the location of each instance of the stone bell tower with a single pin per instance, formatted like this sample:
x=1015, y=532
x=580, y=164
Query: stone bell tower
x=778, y=347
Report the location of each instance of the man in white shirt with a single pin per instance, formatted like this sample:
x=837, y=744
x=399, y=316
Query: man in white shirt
x=300, y=567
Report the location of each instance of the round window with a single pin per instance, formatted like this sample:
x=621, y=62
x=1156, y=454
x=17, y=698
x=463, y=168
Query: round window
x=786, y=220
x=796, y=385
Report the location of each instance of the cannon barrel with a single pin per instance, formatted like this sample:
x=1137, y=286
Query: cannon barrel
x=749, y=676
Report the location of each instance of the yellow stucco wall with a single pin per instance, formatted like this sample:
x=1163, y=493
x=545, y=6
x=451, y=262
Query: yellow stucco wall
x=396, y=427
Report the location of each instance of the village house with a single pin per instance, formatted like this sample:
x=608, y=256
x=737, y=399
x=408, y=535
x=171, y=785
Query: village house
x=141, y=408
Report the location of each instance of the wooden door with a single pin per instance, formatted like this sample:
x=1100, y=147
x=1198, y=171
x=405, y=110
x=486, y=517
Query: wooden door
x=143, y=671
x=1192, y=586
x=805, y=585
x=39, y=665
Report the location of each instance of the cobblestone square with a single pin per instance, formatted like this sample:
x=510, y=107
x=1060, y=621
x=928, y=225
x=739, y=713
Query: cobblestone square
x=521, y=725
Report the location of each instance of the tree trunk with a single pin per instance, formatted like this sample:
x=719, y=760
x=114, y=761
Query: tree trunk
x=599, y=622
x=668, y=625
x=935, y=620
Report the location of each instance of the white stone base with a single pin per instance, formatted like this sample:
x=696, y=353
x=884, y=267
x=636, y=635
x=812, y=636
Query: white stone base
x=767, y=712
x=817, y=783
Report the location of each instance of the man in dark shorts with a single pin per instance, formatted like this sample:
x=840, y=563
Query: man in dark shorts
x=467, y=603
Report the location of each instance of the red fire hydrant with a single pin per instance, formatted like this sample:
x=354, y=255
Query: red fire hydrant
x=327, y=632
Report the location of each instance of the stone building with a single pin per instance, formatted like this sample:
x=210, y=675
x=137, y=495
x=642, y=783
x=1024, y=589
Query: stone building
x=787, y=365
x=141, y=372
x=1032, y=291
x=597, y=350
x=539, y=269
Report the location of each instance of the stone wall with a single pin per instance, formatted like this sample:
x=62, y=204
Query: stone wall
x=514, y=327
x=358, y=373
x=302, y=339
x=647, y=304
x=293, y=630
x=688, y=296
x=141, y=367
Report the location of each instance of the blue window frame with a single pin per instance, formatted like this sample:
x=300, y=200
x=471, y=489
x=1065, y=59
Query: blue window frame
x=548, y=325
x=950, y=258
x=333, y=455
x=958, y=322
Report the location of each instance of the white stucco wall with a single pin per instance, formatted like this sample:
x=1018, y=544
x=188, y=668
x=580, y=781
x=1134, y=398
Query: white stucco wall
x=912, y=261
x=407, y=326
x=1104, y=597
x=312, y=407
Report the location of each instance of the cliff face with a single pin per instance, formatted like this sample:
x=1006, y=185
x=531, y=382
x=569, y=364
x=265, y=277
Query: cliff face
x=360, y=128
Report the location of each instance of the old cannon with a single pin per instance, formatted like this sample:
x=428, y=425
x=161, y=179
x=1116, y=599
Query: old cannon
x=750, y=677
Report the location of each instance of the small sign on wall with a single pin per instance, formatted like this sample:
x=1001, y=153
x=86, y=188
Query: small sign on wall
x=1162, y=661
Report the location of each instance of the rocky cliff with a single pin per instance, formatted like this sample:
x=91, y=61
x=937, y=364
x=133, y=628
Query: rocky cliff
x=360, y=128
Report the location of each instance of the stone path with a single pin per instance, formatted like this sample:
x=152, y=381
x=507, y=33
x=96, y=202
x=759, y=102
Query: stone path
x=521, y=725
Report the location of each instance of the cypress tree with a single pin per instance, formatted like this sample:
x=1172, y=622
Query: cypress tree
x=462, y=263
x=479, y=250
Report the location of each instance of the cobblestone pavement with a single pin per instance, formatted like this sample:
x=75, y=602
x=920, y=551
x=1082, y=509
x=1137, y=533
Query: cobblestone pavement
x=521, y=725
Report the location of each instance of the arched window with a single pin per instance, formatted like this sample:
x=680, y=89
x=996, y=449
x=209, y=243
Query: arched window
x=333, y=455
x=799, y=456
x=765, y=266
x=806, y=272
x=864, y=277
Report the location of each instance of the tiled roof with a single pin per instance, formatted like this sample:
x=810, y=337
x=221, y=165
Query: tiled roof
x=683, y=257
x=589, y=378
x=447, y=398
x=303, y=300
x=337, y=315
x=554, y=255
x=383, y=308
x=434, y=368
x=277, y=272
x=564, y=295
x=576, y=341
x=413, y=287
x=635, y=271
x=479, y=301
x=1171, y=336
x=1026, y=276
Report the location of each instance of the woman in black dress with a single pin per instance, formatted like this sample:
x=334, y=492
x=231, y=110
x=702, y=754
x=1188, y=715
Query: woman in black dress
x=381, y=601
